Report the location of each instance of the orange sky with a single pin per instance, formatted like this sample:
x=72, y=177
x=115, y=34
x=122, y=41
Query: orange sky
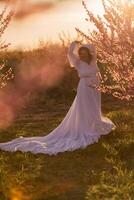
x=65, y=16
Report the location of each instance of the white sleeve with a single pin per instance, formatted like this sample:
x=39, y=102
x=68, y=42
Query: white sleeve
x=72, y=54
x=94, y=54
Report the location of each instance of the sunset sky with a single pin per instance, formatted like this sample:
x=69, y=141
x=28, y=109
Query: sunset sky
x=44, y=20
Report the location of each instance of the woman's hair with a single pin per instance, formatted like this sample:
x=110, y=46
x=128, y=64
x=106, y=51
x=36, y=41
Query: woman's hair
x=88, y=51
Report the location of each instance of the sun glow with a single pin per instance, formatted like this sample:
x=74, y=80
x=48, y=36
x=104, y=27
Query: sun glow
x=16, y=194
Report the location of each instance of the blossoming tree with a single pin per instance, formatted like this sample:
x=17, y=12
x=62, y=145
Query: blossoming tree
x=6, y=73
x=113, y=37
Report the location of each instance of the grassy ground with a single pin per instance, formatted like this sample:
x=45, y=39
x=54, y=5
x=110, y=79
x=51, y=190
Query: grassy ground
x=101, y=171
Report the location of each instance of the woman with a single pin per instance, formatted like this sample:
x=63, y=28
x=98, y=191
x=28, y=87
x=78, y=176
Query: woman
x=83, y=124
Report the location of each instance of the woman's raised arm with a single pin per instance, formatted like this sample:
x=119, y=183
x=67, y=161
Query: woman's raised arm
x=94, y=54
x=72, y=56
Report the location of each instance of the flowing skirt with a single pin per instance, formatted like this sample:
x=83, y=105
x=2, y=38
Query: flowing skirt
x=83, y=125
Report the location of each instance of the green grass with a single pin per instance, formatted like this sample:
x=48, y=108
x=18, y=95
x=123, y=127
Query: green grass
x=103, y=170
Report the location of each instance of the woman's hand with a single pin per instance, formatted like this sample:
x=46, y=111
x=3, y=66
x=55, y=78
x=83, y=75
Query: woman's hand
x=99, y=77
x=93, y=86
x=78, y=42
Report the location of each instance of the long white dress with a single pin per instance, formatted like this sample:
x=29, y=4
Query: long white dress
x=83, y=124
